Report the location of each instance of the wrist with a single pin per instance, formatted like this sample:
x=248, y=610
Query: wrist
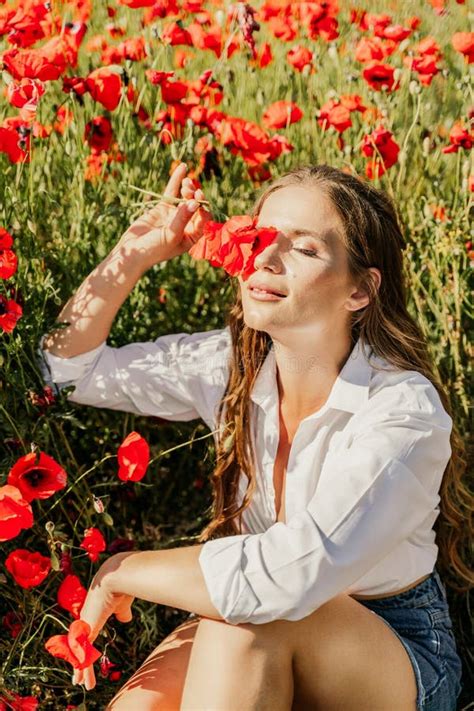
x=108, y=575
x=136, y=258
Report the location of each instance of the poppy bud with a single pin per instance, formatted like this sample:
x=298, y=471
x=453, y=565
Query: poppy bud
x=98, y=505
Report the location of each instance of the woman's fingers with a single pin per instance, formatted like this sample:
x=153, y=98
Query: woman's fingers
x=187, y=188
x=85, y=676
x=174, y=183
x=78, y=676
x=181, y=217
x=188, y=191
x=123, y=611
x=89, y=678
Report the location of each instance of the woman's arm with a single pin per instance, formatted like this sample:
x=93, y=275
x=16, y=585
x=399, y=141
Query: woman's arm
x=161, y=233
x=92, y=309
x=170, y=577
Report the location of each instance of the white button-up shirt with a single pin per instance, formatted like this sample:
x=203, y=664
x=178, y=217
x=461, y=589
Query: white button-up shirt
x=362, y=482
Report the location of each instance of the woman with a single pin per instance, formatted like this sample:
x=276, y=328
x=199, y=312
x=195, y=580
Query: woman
x=319, y=588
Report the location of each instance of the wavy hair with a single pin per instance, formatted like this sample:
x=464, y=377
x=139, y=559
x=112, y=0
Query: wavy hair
x=372, y=238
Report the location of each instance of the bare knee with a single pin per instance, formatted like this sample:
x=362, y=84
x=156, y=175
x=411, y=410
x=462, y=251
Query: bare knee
x=243, y=638
x=141, y=699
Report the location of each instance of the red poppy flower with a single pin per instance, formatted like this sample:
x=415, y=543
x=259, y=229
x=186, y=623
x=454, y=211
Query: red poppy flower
x=335, y=115
x=99, y=134
x=6, y=240
x=428, y=45
x=10, y=312
x=424, y=65
x=281, y=113
x=182, y=57
x=121, y=545
x=459, y=137
x=8, y=258
x=247, y=139
x=206, y=38
x=15, y=512
x=413, y=22
x=37, y=475
x=157, y=77
x=31, y=64
x=42, y=400
x=71, y=595
x=370, y=49
x=12, y=623
x=74, y=647
x=173, y=91
x=14, y=144
x=25, y=94
x=264, y=56
x=326, y=27
x=133, y=49
x=353, y=102
x=464, y=42
x=379, y=75
x=133, y=457
x=284, y=28
x=105, y=86
x=28, y=568
x=234, y=244
x=299, y=57
x=381, y=145
x=94, y=543
x=64, y=117
x=174, y=34
x=137, y=3
x=15, y=702
x=396, y=32
x=439, y=212
x=105, y=666
x=375, y=21
x=65, y=563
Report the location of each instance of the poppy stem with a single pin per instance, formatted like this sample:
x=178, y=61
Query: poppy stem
x=167, y=198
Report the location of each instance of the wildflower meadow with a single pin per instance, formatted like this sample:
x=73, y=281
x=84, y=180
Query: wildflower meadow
x=100, y=101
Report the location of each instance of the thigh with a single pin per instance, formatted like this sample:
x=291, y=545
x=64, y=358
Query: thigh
x=158, y=683
x=346, y=659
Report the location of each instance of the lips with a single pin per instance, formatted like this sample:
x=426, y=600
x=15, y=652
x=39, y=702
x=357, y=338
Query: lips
x=267, y=289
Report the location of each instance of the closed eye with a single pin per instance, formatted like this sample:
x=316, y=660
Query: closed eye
x=309, y=252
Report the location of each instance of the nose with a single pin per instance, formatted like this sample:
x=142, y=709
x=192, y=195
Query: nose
x=269, y=257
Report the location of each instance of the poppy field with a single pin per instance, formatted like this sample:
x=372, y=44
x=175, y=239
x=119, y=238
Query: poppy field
x=100, y=103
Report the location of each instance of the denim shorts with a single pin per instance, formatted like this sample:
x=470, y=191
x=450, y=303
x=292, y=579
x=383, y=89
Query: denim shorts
x=421, y=620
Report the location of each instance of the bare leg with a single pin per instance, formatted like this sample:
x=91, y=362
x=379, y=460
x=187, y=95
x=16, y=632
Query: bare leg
x=233, y=668
x=158, y=683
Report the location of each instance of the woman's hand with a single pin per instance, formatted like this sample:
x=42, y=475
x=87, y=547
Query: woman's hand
x=168, y=229
x=99, y=605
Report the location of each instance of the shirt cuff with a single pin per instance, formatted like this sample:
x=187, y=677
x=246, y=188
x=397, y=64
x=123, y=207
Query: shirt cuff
x=221, y=561
x=66, y=371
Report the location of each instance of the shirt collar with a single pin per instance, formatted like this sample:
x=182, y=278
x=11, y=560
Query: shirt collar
x=350, y=389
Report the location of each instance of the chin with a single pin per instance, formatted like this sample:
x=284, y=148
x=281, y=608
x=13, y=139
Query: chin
x=253, y=320
x=257, y=322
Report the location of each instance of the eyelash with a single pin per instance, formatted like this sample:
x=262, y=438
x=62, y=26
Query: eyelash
x=310, y=252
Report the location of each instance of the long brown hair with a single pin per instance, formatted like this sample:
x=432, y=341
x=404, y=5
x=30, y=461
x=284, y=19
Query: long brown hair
x=373, y=238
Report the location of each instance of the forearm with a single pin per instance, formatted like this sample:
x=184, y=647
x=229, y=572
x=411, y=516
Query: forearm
x=92, y=309
x=170, y=577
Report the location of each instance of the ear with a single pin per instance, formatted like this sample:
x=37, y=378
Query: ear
x=361, y=296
